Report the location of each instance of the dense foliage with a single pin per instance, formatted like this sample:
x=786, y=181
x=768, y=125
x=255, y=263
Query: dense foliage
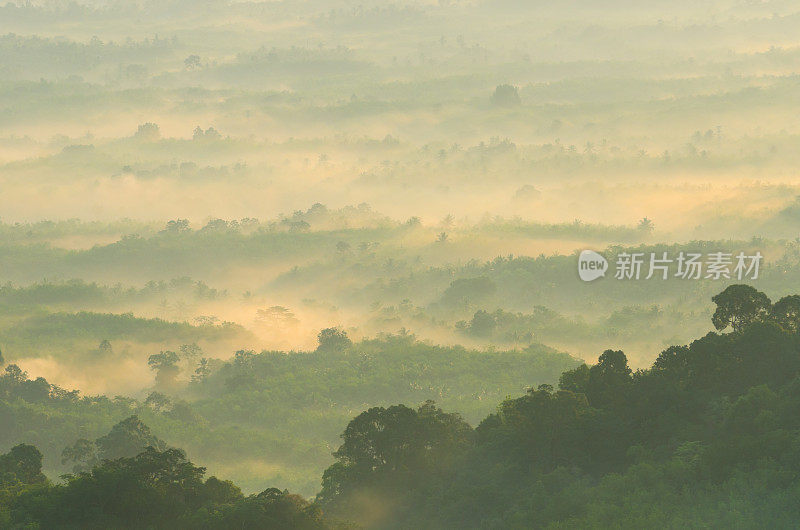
x=154, y=489
x=706, y=437
x=238, y=229
x=269, y=417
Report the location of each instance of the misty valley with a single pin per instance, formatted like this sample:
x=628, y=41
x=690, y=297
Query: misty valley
x=410, y=264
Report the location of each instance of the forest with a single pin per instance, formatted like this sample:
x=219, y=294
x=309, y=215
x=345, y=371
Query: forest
x=707, y=436
x=279, y=264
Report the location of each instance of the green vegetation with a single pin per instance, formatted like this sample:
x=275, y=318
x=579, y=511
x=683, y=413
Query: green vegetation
x=311, y=246
x=154, y=489
x=280, y=412
x=705, y=437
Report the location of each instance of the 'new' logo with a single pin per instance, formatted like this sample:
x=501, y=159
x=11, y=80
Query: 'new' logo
x=591, y=265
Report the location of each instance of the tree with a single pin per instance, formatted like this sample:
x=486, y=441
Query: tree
x=202, y=371
x=576, y=380
x=191, y=351
x=276, y=317
x=216, y=225
x=148, y=131
x=105, y=348
x=34, y=391
x=23, y=463
x=506, y=96
x=538, y=428
x=15, y=374
x=739, y=305
x=176, y=226
x=209, y=134
x=387, y=448
x=609, y=380
x=244, y=359
x=127, y=438
x=604, y=384
x=333, y=340
x=192, y=62
x=82, y=454
x=165, y=365
x=786, y=312
x=645, y=225
x=482, y=324
x=11, y=380
x=673, y=360
x=212, y=134
x=158, y=401
x=612, y=363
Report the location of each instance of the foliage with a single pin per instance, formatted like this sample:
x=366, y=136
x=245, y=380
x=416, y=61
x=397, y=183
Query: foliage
x=157, y=489
x=257, y=407
x=706, y=437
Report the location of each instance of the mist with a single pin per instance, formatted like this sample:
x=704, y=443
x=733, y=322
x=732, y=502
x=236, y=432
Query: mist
x=195, y=196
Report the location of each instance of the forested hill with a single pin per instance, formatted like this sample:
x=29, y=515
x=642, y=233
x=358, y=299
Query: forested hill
x=709, y=436
x=272, y=417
